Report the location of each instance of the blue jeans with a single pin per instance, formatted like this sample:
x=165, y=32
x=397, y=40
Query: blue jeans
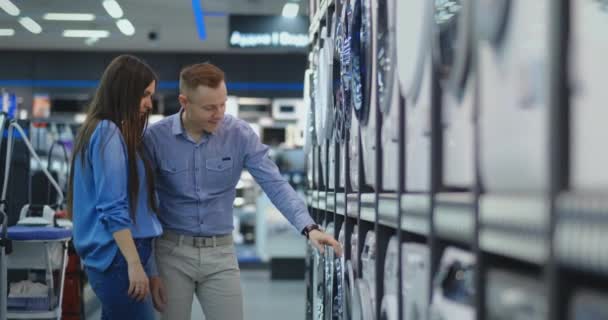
x=111, y=287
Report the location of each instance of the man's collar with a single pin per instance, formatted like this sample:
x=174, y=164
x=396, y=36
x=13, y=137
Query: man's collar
x=178, y=125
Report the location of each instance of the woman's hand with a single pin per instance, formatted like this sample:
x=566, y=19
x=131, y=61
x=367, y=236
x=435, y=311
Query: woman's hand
x=139, y=286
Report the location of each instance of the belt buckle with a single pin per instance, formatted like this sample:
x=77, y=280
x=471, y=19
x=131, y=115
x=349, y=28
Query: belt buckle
x=203, y=242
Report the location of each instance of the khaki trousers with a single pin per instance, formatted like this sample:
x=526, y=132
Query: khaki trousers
x=210, y=272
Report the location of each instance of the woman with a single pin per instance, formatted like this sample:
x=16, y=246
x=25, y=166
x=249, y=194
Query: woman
x=112, y=201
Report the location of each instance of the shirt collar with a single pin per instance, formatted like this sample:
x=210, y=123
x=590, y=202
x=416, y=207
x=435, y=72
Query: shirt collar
x=178, y=127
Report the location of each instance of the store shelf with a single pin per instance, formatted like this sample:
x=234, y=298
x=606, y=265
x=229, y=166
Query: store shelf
x=330, y=201
x=340, y=206
x=388, y=211
x=582, y=231
x=416, y=213
x=368, y=207
x=322, y=200
x=315, y=23
x=455, y=216
x=515, y=227
x=352, y=205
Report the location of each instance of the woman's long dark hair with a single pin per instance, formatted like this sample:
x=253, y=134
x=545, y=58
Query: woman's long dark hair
x=118, y=99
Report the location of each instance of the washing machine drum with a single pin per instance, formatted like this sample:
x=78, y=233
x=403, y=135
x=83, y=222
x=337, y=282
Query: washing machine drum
x=353, y=302
x=343, y=42
x=452, y=45
x=335, y=87
x=385, y=54
x=361, y=34
x=318, y=285
x=322, y=91
x=340, y=304
x=491, y=19
x=368, y=258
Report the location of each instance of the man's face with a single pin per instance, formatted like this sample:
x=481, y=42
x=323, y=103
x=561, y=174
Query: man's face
x=205, y=107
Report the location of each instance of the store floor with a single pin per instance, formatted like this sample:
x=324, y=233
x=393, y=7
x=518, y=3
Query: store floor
x=264, y=298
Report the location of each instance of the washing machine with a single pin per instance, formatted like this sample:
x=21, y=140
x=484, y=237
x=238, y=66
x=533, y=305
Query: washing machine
x=589, y=305
x=318, y=285
x=415, y=270
x=414, y=67
x=513, y=65
x=340, y=118
x=356, y=91
x=387, y=93
x=366, y=95
x=339, y=303
x=390, y=303
x=454, y=286
x=330, y=259
x=513, y=296
x=452, y=52
x=310, y=134
x=324, y=100
x=367, y=283
x=588, y=69
x=354, y=250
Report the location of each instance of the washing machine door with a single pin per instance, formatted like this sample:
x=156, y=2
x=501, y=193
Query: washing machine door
x=336, y=87
x=413, y=27
x=368, y=260
x=386, y=54
x=362, y=55
x=587, y=69
x=311, y=135
x=343, y=42
x=327, y=82
x=318, y=285
x=340, y=305
x=452, y=44
x=391, y=267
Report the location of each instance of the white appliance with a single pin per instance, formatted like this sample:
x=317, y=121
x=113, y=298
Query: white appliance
x=369, y=21
x=390, y=304
x=368, y=282
x=340, y=276
x=413, y=34
x=415, y=270
x=354, y=153
x=588, y=68
x=513, y=296
x=330, y=280
x=454, y=287
x=453, y=54
x=513, y=98
x=387, y=93
x=354, y=251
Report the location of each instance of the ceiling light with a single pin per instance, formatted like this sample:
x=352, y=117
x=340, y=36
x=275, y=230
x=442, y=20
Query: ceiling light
x=126, y=27
x=7, y=32
x=31, y=25
x=9, y=7
x=290, y=10
x=113, y=8
x=69, y=16
x=86, y=33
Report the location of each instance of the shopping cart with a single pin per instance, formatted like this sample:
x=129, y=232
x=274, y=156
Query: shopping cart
x=37, y=244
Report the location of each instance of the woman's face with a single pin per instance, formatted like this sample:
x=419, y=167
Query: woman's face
x=145, y=105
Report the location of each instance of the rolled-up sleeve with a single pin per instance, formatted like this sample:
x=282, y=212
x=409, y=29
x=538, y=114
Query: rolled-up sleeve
x=267, y=175
x=109, y=162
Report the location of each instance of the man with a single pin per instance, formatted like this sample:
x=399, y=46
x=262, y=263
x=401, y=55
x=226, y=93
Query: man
x=199, y=154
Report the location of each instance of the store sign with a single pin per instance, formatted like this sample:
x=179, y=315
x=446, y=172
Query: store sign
x=268, y=32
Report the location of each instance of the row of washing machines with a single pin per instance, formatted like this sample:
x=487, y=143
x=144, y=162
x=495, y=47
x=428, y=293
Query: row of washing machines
x=343, y=290
x=485, y=69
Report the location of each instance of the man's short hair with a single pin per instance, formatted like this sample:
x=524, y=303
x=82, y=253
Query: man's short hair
x=200, y=74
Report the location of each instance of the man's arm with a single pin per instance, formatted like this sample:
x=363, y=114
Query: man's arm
x=280, y=193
